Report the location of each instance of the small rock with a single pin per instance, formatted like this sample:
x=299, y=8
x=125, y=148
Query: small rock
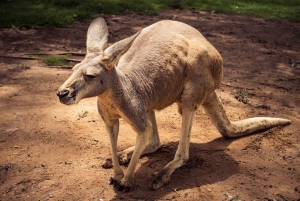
x=50, y=195
x=117, y=19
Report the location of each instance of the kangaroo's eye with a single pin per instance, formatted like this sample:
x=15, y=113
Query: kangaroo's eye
x=91, y=76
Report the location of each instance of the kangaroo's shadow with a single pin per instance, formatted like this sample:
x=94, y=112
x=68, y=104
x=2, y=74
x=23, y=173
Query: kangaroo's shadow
x=209, y=163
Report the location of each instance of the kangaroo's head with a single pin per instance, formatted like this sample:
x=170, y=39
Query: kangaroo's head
x=91, y=76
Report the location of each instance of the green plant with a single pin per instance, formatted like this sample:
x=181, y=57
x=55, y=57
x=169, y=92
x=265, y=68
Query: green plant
x=55, y=61
x=61, y=13
x=34, y=56
x=242, y=96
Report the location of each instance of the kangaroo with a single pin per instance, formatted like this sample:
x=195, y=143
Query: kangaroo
x=165, y=63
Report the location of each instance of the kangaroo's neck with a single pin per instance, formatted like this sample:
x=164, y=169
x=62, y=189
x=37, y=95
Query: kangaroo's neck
x=122, y=99
x=121, y=88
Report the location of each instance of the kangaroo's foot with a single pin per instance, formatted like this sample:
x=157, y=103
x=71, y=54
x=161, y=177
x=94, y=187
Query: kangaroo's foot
x=107, y=164
x=123, y=158
x=119, y=185
x=125, y=155
x=161, y=178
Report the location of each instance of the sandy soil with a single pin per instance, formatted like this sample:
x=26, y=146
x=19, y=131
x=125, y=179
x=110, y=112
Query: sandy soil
x=50, y=151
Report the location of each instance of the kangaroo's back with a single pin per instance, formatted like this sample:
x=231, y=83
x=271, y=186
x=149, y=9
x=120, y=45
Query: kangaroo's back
x=168, y=55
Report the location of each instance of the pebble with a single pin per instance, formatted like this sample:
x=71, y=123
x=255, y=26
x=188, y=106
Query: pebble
x=50, y=195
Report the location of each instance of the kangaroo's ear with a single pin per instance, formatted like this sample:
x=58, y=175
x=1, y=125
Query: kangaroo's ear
x=112, y=54
x=97, y=36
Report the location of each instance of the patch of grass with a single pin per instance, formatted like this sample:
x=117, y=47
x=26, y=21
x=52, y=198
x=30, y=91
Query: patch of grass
x=60, y=13
x=242, y=96
x=55, y=61
x=272, y=9
x=34, y=56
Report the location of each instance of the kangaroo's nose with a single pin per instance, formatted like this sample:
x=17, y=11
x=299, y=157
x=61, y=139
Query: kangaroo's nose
x=62, y=93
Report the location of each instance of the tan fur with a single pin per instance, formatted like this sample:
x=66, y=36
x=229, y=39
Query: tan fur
x=164, y=63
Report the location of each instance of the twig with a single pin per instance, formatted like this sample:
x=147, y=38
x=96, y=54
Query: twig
x=229, y=85
x=175, y=189
x=62, y=53
x=36, y=58
x=262, y=106
x=73, y=60
x=228, y=196
x=19, y=57
x=62, y=67
x=283, y=197
x=72, y=53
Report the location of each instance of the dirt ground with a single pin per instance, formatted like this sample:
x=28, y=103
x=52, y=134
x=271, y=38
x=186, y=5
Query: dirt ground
x=50, y=151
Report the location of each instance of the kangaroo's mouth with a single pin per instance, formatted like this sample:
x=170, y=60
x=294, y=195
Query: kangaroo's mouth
x=68, y=100
x=67, y=96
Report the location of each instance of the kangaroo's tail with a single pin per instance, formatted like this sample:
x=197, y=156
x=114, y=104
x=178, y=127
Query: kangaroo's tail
x=214, y=109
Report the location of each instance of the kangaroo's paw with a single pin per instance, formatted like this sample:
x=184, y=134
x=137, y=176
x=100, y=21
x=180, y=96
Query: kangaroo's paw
x=107, y=164
x=113, y=181
x=125, y=156
x=123, y=159
x=120, y=185
x=161, y=178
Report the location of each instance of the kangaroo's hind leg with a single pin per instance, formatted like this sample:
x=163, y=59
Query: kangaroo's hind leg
x=182, y=153
x=214, y=109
